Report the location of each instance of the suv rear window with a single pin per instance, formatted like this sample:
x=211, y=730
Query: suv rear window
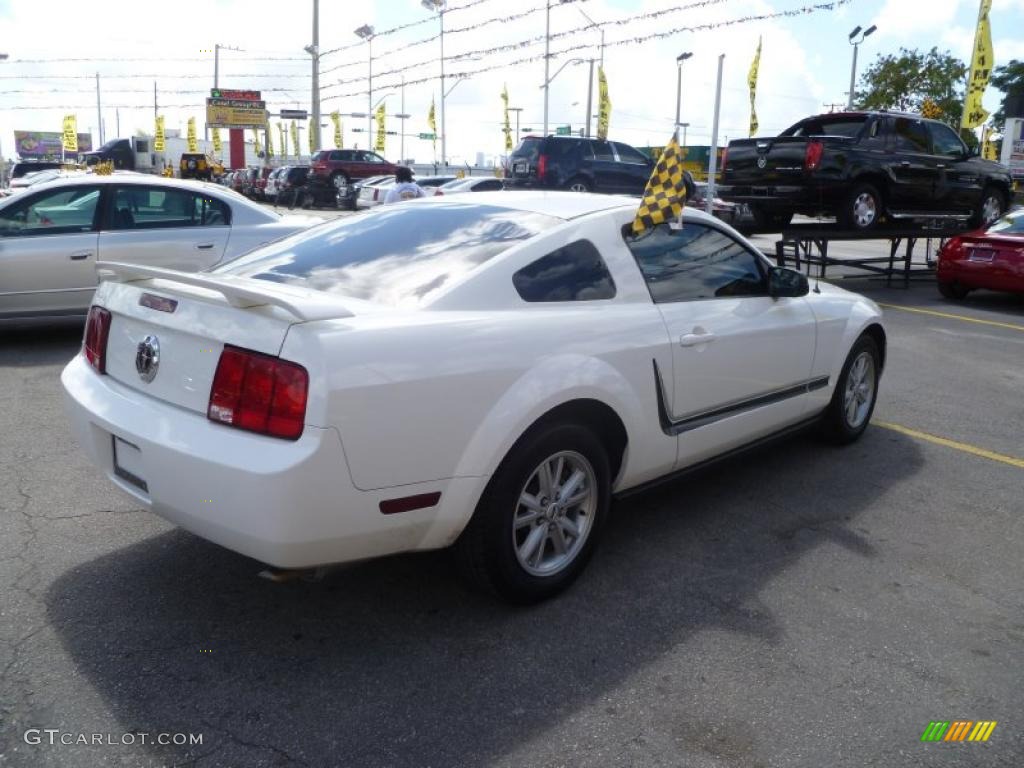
x=399, y=256
x=528, y=149
x=848, y=125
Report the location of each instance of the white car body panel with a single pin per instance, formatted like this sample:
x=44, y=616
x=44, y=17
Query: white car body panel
x=431, y=399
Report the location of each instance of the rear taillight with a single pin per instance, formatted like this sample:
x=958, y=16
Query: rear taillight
x=725, y=157
x=813, y=157
x=259, y=393
x=542, y=167
x=438, y=192
x=97, y=329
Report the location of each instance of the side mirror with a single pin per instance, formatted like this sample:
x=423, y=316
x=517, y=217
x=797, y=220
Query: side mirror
x=787, y=283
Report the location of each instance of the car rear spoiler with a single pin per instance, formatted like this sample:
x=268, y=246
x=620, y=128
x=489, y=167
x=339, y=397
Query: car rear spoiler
x=306, y=305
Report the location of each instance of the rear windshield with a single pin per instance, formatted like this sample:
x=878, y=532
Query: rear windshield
x=399, y=255
x=323, y=154
x=1013, y=224
x=847, y=125
x=528, y=149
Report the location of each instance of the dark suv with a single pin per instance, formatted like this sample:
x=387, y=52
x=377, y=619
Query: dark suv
x=339, y=167
x=581, y=165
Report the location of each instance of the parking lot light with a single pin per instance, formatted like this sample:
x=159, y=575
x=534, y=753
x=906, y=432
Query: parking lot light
x=853, y=69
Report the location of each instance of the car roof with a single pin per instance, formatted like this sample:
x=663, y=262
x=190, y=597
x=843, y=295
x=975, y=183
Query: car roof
x=562, y=205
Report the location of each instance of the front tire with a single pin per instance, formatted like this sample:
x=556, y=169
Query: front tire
x=540, y=517
x=861, y=209
x=853, y=401
x=990, y=208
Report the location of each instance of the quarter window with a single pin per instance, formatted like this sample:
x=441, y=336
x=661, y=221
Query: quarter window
x=602, y=150
x=60, y=211
x=629, y=155
x=695, y=262
x=575, y=272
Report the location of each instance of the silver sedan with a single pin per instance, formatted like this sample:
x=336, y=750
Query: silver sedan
x=52, y=234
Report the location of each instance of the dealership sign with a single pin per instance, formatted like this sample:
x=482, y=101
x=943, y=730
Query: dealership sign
x=235, y=113
x=47, y=143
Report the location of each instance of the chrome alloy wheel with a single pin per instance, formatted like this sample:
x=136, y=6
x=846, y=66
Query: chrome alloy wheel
x=340, y=184
x=577, y=186
x=991, y=209
x=860, y=390
x=555, y=513
x=865, y=210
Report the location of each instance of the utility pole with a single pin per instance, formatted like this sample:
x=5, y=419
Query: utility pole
x=99, y=108
x=402, y=116
x=590, y=96
x=713, y=164
x=156, y=111
x=440, y=6
x=314, y=51
x=547, y=62
x=366, y=33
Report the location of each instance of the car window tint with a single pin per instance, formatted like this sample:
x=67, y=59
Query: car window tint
x=138, y=207
x=211, y=212
x=372, y=158
x=58, y=211
x=602, y=150
x=528, y=149
x=944, y=141
x=874, y=137
x=629, y=155
x=487, y=186
x=695, y=262
x=575, y=272
x=912, y=136
x=825, y=126
x=395, y=255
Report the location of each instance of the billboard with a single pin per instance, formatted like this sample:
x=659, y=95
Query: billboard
x=47, y=144
x=235, y=113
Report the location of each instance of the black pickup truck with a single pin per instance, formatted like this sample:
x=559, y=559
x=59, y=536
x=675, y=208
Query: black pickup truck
x=861, y=167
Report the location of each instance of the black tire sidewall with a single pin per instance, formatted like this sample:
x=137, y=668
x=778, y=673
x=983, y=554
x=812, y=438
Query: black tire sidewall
x=587, y=186
x=846, y=218
x=835, y=418
x=495, y=514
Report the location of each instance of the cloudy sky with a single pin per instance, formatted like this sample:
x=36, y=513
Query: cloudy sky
x=55, y=50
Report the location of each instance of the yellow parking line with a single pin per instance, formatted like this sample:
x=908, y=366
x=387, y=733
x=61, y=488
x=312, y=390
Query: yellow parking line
x=966, y=448
x=949, y=316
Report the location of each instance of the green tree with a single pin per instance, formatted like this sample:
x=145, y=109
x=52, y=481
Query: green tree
x=1008, y=79
x=903, y=82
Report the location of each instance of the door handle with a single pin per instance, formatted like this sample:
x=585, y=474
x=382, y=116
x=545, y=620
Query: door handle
x=80, y=256
x=204, y=246
x=905, y=163
x=941, y=166
x=696, y=339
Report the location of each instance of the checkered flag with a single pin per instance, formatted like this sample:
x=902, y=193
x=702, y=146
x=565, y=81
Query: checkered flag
x=666, y=190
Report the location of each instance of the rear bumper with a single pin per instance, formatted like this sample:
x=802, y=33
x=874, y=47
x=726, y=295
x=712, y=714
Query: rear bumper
x=290, y=504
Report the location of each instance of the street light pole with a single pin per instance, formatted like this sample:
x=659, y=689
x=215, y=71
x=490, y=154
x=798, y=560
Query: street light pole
x=853, y=67
x=366, y=33
x=684, y=127
x=679, y=82
x=440, y=6
x=590, y=86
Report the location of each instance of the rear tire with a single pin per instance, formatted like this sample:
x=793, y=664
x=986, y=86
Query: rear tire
x=861, y=209
x=853, y=402
x=579, y=184
x=953, y=290
x=526, y=542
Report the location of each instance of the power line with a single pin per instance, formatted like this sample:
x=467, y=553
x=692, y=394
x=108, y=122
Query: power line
x=154, y=58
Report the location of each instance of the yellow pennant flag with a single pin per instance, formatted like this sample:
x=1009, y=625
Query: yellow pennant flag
x=604, y=105
x=752, y=82
x=507, y=128
x=981, y=70
x=281, y=140
x=256, y=141
x=215, y=136
x=432, y=122
x=336, y=119
x=69, y=139
x=269, y=140
x=159, y=136
x=295, y=140
x=665, y=193
x=379, y=144
x=988, y=147
x=193, y=143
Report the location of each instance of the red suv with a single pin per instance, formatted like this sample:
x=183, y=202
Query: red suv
x=340, y=167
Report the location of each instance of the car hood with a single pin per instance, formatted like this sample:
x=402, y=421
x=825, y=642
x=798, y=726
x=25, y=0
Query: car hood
x=300, y=220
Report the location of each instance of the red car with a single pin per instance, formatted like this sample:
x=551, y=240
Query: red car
x=991, y=258
x=340, y=167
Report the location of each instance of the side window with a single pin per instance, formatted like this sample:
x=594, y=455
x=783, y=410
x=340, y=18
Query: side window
x=488, y=186
x=372, y=158
x=56, y=212
x=629, y=155
x=944, y=141
x=602, y=150
x=874, y=137
x=912, y=136
x=575, y=272
x=137, y=207
x=695, y=262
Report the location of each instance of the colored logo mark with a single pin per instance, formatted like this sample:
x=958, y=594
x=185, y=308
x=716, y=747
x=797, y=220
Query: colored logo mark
x=958, y=730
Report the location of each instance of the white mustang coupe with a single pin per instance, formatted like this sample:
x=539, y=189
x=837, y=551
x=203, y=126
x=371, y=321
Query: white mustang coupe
x=482, y=372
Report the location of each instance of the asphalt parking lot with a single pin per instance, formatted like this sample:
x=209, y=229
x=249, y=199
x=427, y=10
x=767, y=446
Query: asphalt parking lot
x=799, y=606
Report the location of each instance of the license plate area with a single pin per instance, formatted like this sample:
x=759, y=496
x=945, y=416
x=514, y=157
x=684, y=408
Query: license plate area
x=128, y=463
x=982, y=255
x=522, y=168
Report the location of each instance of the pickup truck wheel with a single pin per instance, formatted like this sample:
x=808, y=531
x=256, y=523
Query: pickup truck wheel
x=991, y=207
x=853, y=401
x=538, y=521
x=861, y=210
